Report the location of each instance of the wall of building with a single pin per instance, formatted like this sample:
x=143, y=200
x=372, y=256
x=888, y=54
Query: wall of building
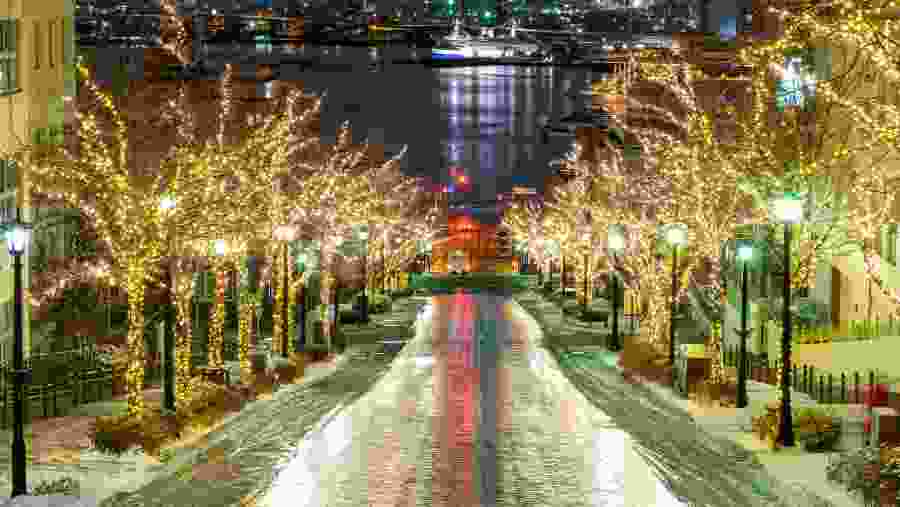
x=853, y=300
x=43, y=46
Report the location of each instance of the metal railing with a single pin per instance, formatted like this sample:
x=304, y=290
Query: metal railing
x=848, y=388
x=77, y=374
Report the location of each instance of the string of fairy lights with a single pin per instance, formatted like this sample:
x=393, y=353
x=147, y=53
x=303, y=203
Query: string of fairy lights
x=213, y=191
x=720, y=183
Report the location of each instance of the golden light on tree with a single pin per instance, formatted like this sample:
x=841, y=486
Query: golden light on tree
x=122, y=203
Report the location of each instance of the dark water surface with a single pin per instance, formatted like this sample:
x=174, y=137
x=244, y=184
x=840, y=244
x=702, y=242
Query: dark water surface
x=483, y=119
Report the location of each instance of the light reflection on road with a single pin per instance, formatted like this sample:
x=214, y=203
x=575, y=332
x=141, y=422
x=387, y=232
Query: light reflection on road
x=489, y=381
x=297, y=483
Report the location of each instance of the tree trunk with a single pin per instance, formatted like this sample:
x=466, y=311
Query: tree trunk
x=217, y=320
x=184, y=291
x=134, y=375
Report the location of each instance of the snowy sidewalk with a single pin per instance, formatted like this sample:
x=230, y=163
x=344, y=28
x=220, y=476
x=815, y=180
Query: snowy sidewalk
x=705, y=468
x=368, y=450
x=597, y=463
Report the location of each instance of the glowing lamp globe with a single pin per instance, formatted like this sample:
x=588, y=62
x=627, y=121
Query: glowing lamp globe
x=615, y=241
x=788, y=208
x=17, y=239
x=676, y=236
x=219, y=247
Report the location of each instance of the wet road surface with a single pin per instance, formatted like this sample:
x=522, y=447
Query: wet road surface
x=471, y=413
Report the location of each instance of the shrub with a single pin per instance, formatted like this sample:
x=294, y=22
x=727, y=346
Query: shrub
x=596, y=316
x=202, y=394
x=158, y=429
x=402, y=293
x=351, y=316
x=263, y=382
x=725, y=393
x=849, y=469
x=379, y=303
x=765, y=426
x=285, y=369
x=61, y=486
x=819, y=334
x=572, y=307
x=115, y=434
x=641, y=358
x=818, y=431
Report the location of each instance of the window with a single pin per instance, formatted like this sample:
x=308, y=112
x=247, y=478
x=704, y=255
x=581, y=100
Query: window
x=8, y=80
x=7, y=175
x=51, y=30
x=37, y=44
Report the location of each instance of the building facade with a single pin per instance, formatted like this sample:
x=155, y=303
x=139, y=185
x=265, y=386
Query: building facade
x=36, y=86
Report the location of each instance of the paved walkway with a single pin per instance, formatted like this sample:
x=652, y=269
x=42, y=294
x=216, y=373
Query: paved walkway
x=701, y=453
x=65, y=453
x=472, y=413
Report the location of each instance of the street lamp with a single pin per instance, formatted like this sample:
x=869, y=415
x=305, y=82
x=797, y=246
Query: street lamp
x=17, y=238
x=615, y=243
x=301, y=303
x=584, y=302
x=364, y=304
x=745, y=253
x=219, y=247
x=787, y=209
x=676, y=235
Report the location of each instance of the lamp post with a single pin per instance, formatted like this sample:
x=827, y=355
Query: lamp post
x=166, y=205
x=562, y=273
x=584, y=302
x=17, y=242
x=301, y=304
x=788, y=209
x=284, y=308
x=384, y=262
x=364, y=304
x=616, y=243
x=745, y=253
x=676, y=235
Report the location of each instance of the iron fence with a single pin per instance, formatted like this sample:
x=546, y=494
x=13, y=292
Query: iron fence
x=76, y=374
x=823, y=387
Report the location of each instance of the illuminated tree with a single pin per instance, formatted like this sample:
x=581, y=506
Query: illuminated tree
x=123, y=201
x=524, y=221
x=854, y=153
x=824, y=144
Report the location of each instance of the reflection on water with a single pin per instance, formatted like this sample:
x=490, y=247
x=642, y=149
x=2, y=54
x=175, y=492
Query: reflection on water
x=480, y=118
